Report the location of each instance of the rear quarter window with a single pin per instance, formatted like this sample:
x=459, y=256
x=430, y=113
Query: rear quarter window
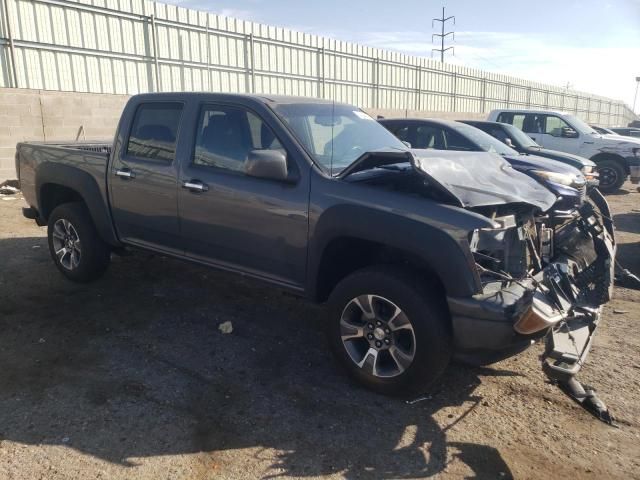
x=515, y=119
x=154, y=131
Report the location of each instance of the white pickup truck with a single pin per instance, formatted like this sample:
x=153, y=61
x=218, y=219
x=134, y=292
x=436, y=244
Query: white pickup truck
x=615, y=156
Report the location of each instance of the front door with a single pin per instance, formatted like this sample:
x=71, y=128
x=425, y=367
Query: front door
x=234, y=220
x=143, y=178
x=557, y=134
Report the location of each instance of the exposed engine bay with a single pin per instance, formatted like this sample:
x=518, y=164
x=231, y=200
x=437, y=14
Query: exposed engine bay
x=567, y=260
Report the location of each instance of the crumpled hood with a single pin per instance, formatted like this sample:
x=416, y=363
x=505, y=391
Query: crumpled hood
x=481, y=179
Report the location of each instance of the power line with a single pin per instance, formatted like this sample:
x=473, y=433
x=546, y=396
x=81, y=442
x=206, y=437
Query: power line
x=442, y=35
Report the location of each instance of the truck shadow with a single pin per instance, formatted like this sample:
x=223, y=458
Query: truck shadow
x=134, y=366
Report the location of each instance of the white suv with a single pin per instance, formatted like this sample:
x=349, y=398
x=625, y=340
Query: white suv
x=615, y=156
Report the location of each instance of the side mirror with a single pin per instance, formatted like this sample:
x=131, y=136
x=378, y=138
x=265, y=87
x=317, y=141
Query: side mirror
x=270, y=164
x=568, y=133
x=509, y=143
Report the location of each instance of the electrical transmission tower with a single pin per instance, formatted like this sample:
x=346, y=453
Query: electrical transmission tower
x=442, y=35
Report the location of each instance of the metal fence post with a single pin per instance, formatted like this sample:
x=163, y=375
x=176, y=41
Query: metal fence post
x=529, y=96
x=209, y=79
x=484, y=94
x=12, y=49
x=508, y=94
x=418, y=86
x=546, y=99
x=376, y=82
x=249, y=62
x=320, y=67
x=252, y=58
x=154, y=35
x=455, y=91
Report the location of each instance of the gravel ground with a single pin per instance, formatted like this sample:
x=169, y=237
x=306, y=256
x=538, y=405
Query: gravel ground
x=130, y=378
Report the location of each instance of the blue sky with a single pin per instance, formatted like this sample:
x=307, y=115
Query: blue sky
x=592, y=45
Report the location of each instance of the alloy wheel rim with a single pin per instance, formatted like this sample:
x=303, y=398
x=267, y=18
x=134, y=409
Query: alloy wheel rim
x=66, y=244
x=378, y=336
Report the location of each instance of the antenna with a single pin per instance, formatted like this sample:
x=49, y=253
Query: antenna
x=443, y=35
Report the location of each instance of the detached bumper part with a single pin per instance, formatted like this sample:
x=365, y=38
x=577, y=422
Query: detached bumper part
x=568, y=345
x=560, y=302
x=566, y=350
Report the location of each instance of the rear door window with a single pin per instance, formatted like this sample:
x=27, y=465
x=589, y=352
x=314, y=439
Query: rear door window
x=455, y=141
x=518, y=120
x=533, y=123
x=515, y=119
x=430, y=137
x=154, y=131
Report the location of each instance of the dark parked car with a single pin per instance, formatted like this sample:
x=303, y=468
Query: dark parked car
x=627, y=131
x=563, y=180
x=603, y=130
x=518, y=140
x=419, y=255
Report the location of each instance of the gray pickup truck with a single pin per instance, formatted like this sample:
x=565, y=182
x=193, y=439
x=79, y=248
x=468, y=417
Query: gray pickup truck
x=420, y=255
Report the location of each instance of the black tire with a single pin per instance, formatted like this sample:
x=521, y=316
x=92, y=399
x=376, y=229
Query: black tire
x=425, y=312
x=612, y=175
x=90, y=255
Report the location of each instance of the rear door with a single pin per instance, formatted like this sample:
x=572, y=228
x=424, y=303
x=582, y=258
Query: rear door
x=143, y=176
x=236, y=221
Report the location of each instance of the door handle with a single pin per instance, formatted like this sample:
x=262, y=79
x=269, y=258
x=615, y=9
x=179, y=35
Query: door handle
x=125, y=173
x=195, y=186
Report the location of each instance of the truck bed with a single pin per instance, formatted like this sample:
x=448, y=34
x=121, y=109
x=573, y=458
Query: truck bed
x=38, y=163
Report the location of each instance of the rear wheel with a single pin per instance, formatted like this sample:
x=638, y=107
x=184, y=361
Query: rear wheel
x=612, y=175
x=75, y=245
x=389, y=331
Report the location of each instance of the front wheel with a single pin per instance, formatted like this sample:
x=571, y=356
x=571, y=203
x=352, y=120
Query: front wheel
x=75, y=245
x=611, y=175
x=389, y=331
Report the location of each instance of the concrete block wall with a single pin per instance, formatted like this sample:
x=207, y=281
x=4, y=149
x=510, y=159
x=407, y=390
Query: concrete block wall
x=49, y=115
x=46, y=115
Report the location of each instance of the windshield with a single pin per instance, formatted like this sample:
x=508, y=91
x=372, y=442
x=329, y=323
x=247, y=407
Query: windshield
x=483, y=140
x=519, y=136
x=579, y=125
x=336, y=135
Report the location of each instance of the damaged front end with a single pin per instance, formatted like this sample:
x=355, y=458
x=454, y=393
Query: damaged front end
x=543, y=275
x=540, y=274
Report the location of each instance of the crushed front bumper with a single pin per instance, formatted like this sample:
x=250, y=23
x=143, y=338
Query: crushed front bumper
x=561, y=302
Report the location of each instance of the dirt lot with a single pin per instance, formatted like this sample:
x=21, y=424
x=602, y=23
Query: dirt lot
x=129, y=377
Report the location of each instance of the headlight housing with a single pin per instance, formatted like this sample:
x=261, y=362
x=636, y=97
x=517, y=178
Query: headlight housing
x=589, y=172
x=555, y=177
